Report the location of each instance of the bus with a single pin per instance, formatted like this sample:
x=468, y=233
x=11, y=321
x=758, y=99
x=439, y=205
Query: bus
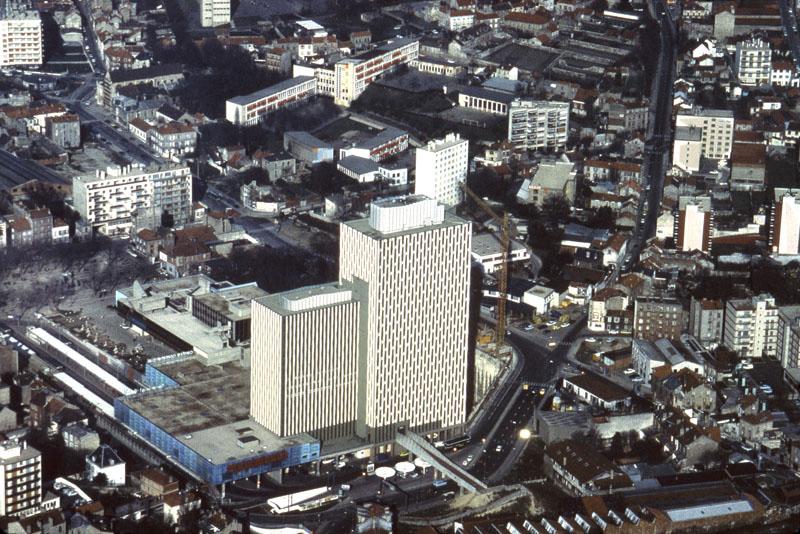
x=457, y=443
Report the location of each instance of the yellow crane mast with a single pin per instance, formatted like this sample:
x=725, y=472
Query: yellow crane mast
x=502, y=273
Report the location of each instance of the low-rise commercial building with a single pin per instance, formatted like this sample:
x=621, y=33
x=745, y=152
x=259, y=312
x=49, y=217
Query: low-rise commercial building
x=305, y=147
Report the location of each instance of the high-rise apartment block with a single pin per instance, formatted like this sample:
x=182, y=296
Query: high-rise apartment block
x=717, y=128
x=751, y=326
x=20, y=478
x=385, y=347
x=707, y=321
x=753, y=62
x=694, y=224
x=214, y=12
x=354, y=74
x=121, y=199
x=788, y=336
x=538, y=124
x=307, y=345
x=441, y=167
x=20, y=38
x=784, y=228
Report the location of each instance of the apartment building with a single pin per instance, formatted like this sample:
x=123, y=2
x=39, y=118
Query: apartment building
x=658, y=317
x=717, y=130
x=304, y=354
x=753, y=62
x=788, y=336
x=64, y=130
x=21, y=39
x=707, y=321
x=538, y=124
x=687, y=148
x=441, y=169
x=354, y=74
x=694, y=224
x=784, y=227
x=251, y=109
x=214, y=12
x=119, y=200
x=20, y=478
x=751, y=326
x=173, y=139
x=412, y=261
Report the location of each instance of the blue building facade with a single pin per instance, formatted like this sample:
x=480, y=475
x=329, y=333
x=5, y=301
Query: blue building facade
x=260, y=462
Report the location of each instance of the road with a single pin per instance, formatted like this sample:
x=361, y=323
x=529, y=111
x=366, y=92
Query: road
x=657, y=148
x=789, y=21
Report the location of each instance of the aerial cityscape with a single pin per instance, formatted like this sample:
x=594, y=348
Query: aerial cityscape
x=399, y=266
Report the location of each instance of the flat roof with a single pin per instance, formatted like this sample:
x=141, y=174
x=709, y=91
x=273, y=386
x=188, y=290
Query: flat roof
x=489, y=244
x=271, y=90
x=233, y=303
x=308, y=298
x=358, y=164
x=209, y=412
x=363, y=226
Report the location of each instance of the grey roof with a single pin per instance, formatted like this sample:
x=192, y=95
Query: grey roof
x=105, y=456
x=383, y=137
x=271, y=90
x=707, y=510
x=358, y=164
x=488, y=94
x=307, y=139
x=146, y=73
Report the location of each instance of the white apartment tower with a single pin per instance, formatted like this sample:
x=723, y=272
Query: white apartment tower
x=20, y=38
x=717, y=130
x=538, y=124
x=784, y=231
x=20, y=478
x=753, y=62
x=214, y=12
x=694, y=224
x=121, y=199
x=411, y=261
x=305, y=356
x=441, y=167
x=751, y=326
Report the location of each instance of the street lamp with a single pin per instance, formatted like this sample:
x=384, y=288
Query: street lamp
x=524, y=433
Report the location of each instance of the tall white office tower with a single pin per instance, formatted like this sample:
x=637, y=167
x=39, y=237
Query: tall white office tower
x=20, y=37
x=304, y=346
x=411, y=262
x=441, y=166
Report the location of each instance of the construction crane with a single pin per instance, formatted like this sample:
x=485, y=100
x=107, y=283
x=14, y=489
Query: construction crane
x=502, y=272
